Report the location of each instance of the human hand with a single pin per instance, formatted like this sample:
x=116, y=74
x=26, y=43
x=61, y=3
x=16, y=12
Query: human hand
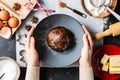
x=86, y=53
x=32, y=54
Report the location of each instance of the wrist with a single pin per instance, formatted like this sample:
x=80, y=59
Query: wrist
x=34, y=64
x=30, y=65
x=85, y=64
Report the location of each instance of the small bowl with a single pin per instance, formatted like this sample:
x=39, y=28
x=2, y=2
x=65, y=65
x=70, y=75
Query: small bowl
x=102, y=15
x=13, y=62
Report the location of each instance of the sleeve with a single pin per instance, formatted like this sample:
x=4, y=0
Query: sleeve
x=86, y=74
x=33, y=73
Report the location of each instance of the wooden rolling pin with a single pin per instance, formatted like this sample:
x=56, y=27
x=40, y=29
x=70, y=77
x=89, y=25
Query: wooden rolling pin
x=113, y=30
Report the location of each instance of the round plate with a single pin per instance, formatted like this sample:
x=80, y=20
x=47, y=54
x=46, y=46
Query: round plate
x=108, y=49
x=105, y=14
x=51, y=57
x=9, y=68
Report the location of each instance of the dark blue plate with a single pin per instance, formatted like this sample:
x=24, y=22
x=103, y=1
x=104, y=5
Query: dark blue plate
x=54, y=58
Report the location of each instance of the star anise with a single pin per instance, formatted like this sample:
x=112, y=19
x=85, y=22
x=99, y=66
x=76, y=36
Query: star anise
x=17, y=6
x=34, y=19
x=28, y=27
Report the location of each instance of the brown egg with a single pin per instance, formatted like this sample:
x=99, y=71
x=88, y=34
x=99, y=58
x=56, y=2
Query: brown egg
x=1, y=25
x=4, y=15
x=13, y=22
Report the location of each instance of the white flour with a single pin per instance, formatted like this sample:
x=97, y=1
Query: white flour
x=9, y=68
x=96, y=11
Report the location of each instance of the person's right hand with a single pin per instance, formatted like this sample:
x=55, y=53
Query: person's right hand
x=32, y=54
x=86, y=53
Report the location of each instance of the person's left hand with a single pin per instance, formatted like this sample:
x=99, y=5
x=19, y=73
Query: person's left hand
x=32, y=54
x=86, y=52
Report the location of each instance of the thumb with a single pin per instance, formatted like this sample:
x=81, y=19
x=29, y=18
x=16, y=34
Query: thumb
x=32, y=42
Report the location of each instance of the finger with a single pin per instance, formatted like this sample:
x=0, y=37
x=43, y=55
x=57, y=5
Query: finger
x=88, y=35
x=32, y=43
x=29, y=36
x=85, y=41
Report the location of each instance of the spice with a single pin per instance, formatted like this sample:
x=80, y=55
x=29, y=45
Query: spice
x=17, y=6
x=28, y=27
x=34, y=19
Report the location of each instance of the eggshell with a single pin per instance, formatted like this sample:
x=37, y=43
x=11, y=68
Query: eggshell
x=1, y=25
x=4, y=15
x=6, y=32
x=13, y=22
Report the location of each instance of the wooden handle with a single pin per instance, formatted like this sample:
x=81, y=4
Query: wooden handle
x=108, y=32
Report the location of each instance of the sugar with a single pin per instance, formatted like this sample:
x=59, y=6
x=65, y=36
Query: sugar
x=9, y=68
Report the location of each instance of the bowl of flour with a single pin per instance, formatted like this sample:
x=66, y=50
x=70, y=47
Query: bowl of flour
x=9, y=69
x=101, y=11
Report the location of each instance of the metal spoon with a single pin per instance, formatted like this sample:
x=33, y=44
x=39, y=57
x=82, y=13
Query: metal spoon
x=93, y=2
x=2, y=75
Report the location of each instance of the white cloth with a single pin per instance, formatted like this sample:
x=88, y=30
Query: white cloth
x=86, y=74
x=33, y=73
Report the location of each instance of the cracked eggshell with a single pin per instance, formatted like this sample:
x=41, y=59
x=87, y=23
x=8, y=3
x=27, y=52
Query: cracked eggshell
x=5, y=32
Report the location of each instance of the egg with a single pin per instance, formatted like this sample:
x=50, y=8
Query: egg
x=1, y=25
x=4, y=15
x=13, y=22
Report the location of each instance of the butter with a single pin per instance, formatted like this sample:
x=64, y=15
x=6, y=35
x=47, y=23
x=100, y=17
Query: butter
x=104, y=59
x=114, y=64
x=111, y=63
x=105, y=67
x=115, y=60
x=114, y=70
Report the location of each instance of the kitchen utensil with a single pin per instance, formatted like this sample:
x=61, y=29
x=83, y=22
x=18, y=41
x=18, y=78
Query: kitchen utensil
x=53, y=58
x=113, y=30
x=2, y=75
x=100, y=3
x=113, y=13
x=108, y=49
x=63, y=5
